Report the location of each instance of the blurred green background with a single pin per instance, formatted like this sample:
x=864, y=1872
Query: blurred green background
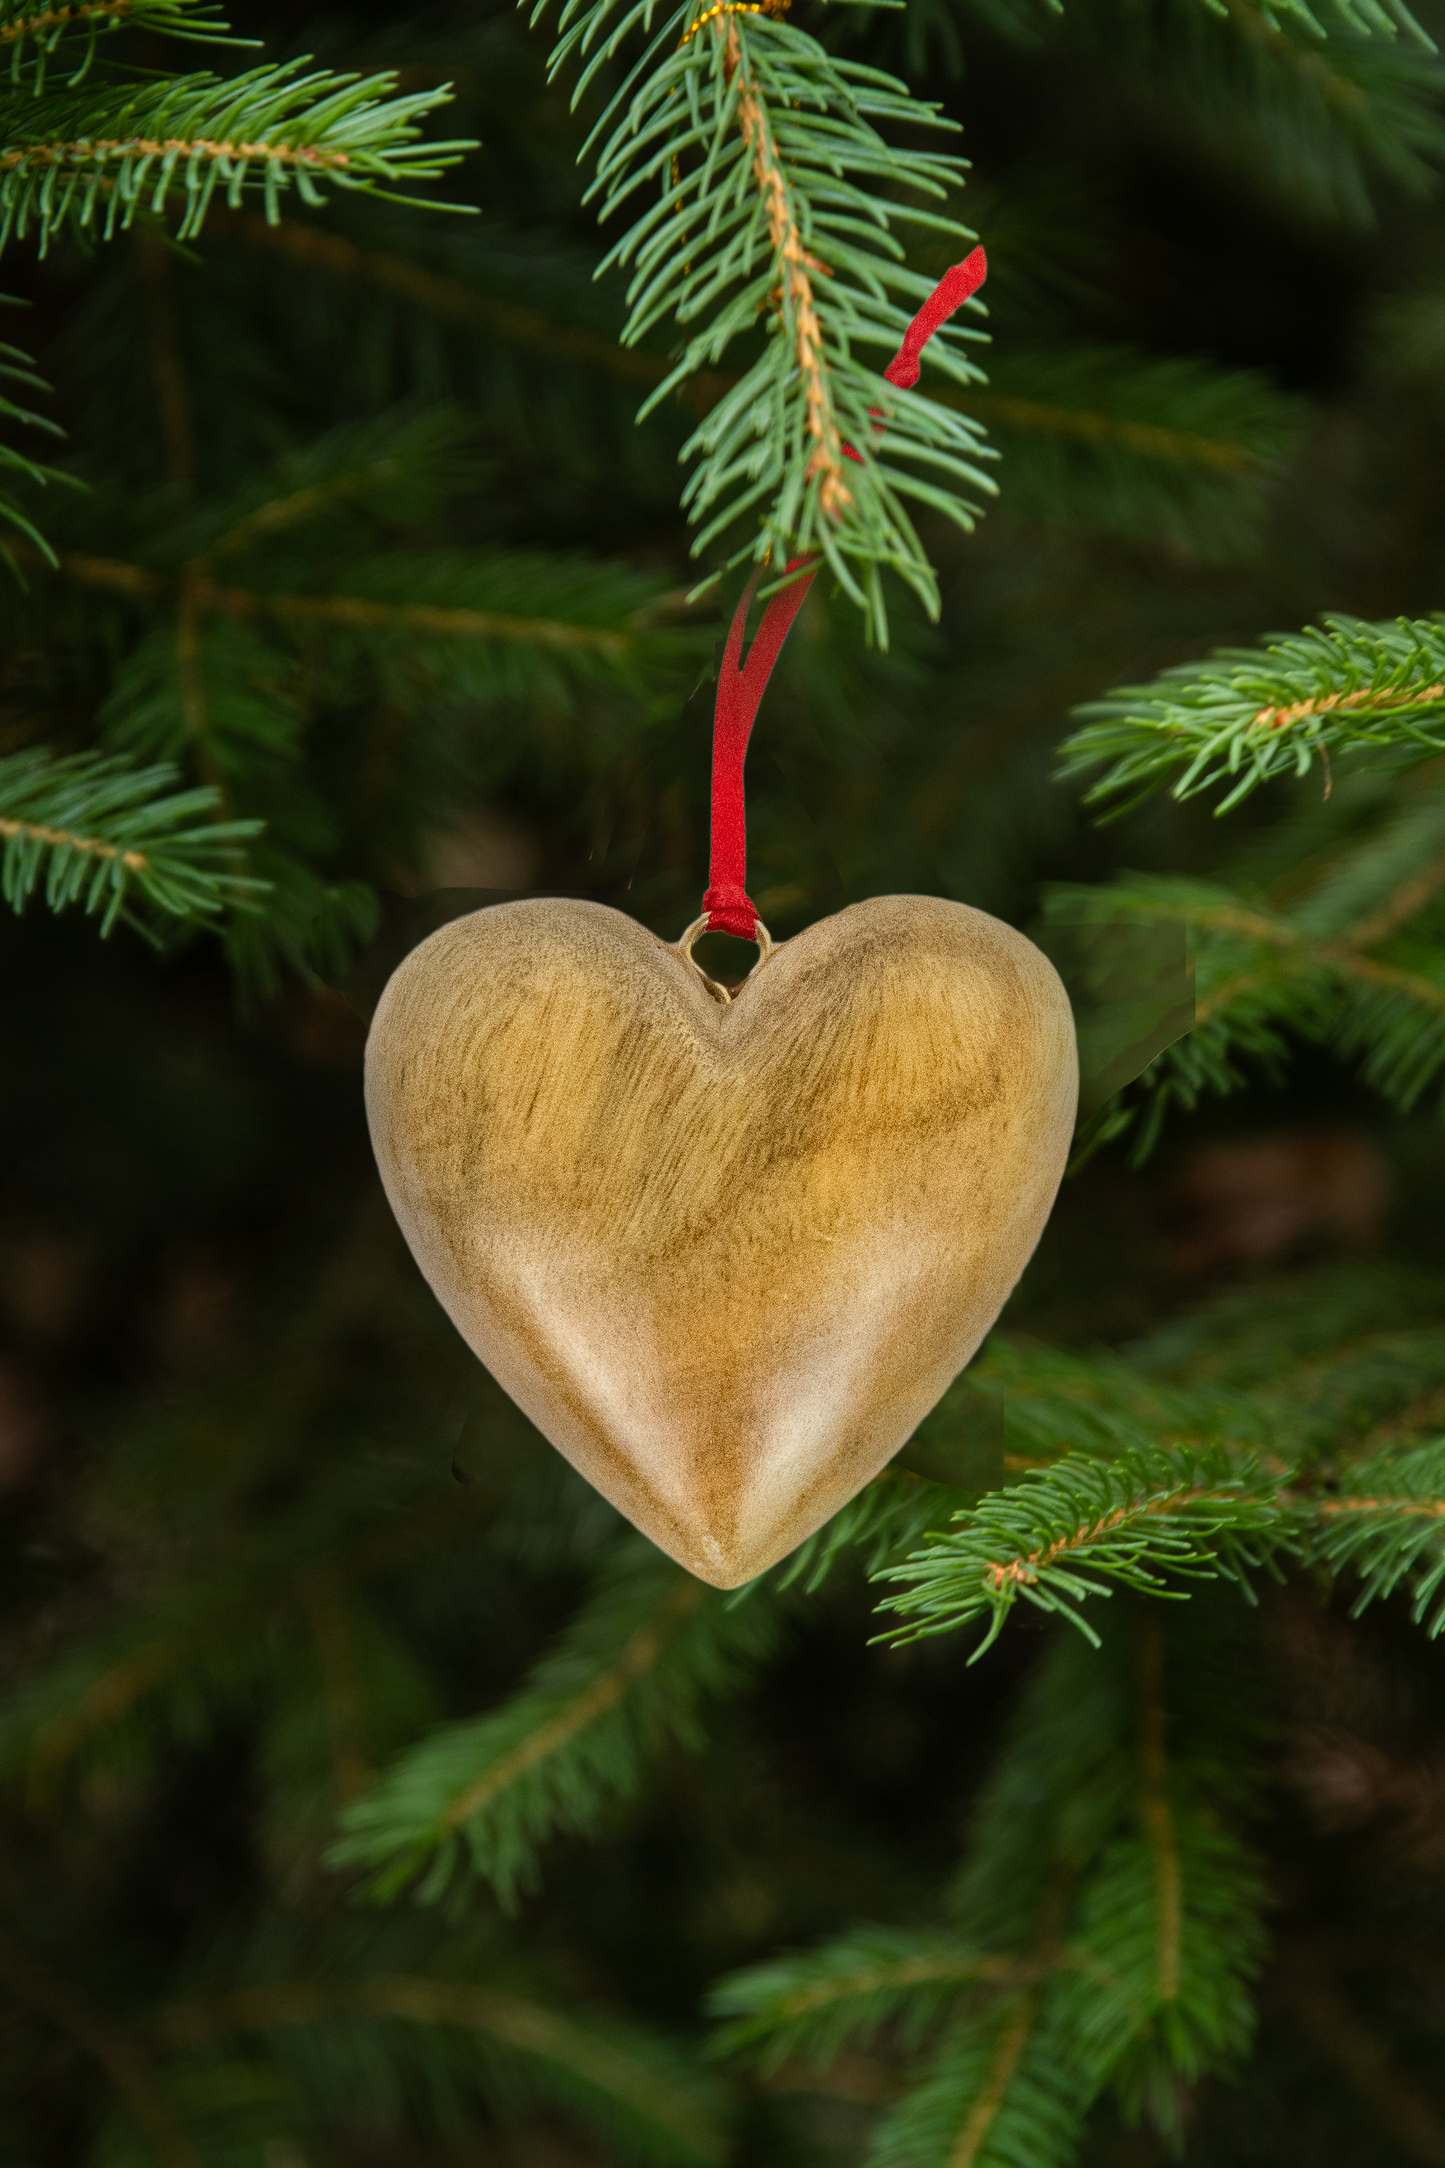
x=264, y=1519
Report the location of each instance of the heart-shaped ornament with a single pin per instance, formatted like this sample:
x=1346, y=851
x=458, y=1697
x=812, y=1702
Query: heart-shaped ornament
x=725, y=1256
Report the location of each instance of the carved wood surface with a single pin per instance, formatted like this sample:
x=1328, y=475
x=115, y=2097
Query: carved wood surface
x=725, y=1258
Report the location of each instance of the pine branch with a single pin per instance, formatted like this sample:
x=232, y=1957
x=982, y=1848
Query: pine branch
x=1002, y=2088
x=1249, y=714
x=626, y=1678
x=1101, y=1855
x=130, y=149
x=1069, y=1531
x=233, y=627
x=107, y=835
x=1386, y=1524
x=1168, y=1925
x=36, y=38
x=626, y=2085
x=17, y=369
x=1098, y=437
x=1352, y=961
x=1115, y=441
x=888, y=1516
x=766, y=154
x=463, y=572
x=1315, y=120
x=815, y=2003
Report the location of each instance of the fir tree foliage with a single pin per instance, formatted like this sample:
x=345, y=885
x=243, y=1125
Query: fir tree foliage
x=107, y=835
x=1246, y=716
x=264, y=665
x=1104, y=1925
x=88, y=147
x=763, y=146
x=1387, y=1526
x=1338, y=951
x=16, y=370
x=1080, y=1527
x=632, y=1672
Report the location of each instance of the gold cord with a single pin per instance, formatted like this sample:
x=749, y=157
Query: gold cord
x=775, y=8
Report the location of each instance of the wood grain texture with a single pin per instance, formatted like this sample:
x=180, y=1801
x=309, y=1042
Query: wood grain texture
x=726, y=1259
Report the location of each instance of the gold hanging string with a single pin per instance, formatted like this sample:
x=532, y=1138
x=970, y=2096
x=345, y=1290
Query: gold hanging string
x=774, y=8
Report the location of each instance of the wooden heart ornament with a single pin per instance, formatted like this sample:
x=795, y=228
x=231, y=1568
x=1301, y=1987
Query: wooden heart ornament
x=726, y=1254
x=725, y=1258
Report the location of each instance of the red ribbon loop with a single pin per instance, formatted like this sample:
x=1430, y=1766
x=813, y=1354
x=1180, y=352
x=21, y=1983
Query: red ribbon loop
x=740, y=686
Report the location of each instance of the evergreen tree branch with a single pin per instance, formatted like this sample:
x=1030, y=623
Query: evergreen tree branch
x=1100, y=436
x=1132, y=445
x=106, y=835
x=1001, y=2086
x=618, y=2078
x=355, y=611
x=1266, y=976
x=1069, y=1531
x=65, y=37
x=766, y=153
x=626, y=1678
x=1249, y=715
x=454, y=301
x=17, y=369
x=1317, y=121
x=1386, y=1524
x=128, y=148
x=815, y=2003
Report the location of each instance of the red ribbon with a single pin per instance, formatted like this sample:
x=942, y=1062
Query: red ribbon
x=740, y=686
x=952, y=290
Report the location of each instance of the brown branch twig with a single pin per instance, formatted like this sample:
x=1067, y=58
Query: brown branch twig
x=1410, y=897
x=94, y=150
x=205, y=594
x=796, y=270
x=1027, y=1570
x=133, y=861
x=1091, y=427
x=1300, y=711
x=86, y=11
x=1424, y=1509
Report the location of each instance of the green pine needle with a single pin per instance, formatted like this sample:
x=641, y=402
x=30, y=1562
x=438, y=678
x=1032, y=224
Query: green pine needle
x=1085, y=1527
x=101, y=156
x=815, y=2003
x=39, y=39
x=763, y=194
x=629, y=1675
x=108, y=836
x=1386, y=1524
x=1250, y=714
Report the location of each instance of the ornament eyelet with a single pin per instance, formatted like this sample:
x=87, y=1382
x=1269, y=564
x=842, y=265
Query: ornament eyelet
x=720, y=994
